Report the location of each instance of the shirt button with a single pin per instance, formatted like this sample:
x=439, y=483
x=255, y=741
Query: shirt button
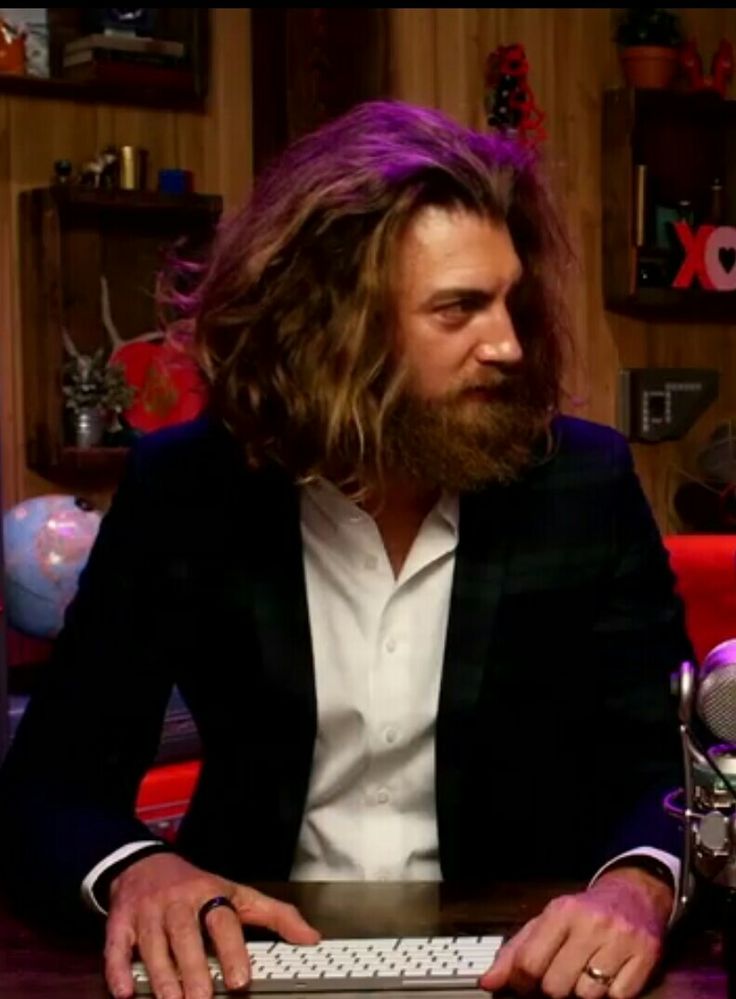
x=382, y=796
x=390, y=645
x=371, y=562
x=390, y=735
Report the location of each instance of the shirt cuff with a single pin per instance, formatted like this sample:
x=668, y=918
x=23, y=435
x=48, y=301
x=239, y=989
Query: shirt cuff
x=670, y=861
x=88, y=885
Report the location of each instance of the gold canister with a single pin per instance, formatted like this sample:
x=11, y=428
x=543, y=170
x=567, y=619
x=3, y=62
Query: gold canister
x=132, y=168
x=640, y=204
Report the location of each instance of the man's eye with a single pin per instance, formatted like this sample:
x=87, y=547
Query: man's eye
x=460, y=309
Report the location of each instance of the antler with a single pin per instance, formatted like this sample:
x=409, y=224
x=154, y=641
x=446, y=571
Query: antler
x=107, y=321
x=69, y=344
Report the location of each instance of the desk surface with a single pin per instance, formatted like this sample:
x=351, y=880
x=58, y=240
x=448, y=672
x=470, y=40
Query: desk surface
x=41, y=966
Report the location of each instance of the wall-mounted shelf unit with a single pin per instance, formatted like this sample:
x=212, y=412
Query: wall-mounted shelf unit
x=70, y=237
x=686, y=143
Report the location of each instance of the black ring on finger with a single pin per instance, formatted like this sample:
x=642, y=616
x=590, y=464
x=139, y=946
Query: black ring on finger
x=213, y=903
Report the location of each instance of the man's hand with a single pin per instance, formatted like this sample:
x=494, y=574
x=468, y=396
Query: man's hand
x=154, y=906
x=615, y=927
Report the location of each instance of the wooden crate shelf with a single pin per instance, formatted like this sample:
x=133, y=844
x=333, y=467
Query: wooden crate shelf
x=70, y=237
x=686, y=141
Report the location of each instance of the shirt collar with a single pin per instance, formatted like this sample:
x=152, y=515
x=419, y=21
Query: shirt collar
x=339, y=508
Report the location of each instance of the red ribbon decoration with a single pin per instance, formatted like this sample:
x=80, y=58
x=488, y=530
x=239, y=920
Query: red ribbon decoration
x=510, y=62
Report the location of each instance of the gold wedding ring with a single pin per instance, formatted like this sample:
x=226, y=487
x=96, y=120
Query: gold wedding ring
x=599, y=976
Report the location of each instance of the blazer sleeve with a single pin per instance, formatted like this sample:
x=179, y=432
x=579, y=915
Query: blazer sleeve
x=69, y=782
x=639, y=641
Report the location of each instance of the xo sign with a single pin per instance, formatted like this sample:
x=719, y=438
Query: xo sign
x=710, y=256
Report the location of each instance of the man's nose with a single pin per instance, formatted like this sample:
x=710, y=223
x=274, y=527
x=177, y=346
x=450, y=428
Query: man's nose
x=499, y=342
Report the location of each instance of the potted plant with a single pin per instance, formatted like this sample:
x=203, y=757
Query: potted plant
x=649, y=40
x=95, y=392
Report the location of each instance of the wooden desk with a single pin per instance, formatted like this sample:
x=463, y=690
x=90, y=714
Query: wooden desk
x=38, y=966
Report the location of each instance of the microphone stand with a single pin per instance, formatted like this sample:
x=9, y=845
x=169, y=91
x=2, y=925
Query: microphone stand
x=682, y=805
x=729, y=942
x=706, y=805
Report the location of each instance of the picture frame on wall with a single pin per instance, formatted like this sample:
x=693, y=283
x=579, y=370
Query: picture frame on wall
x=148, y=56
x=30, y=23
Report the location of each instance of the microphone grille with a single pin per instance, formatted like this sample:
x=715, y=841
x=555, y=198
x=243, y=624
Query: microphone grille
x=716, y=697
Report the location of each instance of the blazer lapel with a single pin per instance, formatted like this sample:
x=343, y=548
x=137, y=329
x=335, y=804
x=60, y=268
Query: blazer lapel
x=486, y=533
x=282, y=620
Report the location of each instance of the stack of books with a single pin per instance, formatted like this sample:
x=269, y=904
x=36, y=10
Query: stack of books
x=128, y=60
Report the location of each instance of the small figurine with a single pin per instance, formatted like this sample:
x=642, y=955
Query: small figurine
x=101, y=172
x=89, y=175
x=62, y=171
x=109, y=175
x=12, y=48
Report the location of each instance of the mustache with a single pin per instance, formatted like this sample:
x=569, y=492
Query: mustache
x=503, y=384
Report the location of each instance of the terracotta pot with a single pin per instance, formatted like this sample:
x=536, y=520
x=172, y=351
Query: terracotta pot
x=649, y=67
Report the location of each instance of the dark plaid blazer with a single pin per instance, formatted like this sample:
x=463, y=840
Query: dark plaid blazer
x=556, y=733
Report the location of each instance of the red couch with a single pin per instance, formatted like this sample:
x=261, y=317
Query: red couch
x=705, y=566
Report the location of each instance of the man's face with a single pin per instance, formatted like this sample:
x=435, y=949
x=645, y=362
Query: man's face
x=455, y=271
x=466, y=417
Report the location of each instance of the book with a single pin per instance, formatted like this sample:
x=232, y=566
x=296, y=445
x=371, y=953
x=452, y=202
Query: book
x=127, y=74
x=126, y=43
x=83, y=56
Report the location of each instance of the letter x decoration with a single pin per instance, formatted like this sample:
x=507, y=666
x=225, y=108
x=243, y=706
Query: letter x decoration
x=510, y=104
x=710, y=257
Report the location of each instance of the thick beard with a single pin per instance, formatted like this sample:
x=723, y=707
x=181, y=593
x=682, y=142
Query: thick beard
x=463, y=444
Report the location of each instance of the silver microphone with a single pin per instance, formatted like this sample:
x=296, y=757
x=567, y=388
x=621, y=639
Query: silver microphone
x=706, y=805
x=715, y=701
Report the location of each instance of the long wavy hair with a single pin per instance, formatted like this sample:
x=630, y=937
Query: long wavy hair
x=293, y=316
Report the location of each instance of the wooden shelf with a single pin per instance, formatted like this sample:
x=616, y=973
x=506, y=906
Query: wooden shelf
x=57, y=88
x=71, y=196
x=92, y=460
x=84, y=467
x=678, y=106
x=70, y=239
x=673, y=305
x=685, y=140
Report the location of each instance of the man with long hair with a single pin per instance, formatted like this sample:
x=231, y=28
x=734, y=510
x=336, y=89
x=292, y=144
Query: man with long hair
x=423, y=621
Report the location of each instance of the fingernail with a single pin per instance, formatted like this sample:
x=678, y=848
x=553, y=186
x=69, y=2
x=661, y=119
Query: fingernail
x=238, y=979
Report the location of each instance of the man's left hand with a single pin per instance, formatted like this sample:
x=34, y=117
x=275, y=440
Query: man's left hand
x=614, y=929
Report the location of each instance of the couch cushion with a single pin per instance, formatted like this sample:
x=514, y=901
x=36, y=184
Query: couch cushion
x=705, y=566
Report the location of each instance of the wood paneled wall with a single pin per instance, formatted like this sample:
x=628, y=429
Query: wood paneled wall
x=437, y=59
x=34, y=132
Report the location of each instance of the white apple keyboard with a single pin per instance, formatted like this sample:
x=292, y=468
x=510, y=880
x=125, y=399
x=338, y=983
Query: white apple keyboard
x=359, y=965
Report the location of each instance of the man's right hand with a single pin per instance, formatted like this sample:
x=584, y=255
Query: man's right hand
x=154, y=906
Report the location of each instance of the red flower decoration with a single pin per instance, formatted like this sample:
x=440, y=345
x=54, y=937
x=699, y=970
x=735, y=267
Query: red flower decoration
x=170, y=387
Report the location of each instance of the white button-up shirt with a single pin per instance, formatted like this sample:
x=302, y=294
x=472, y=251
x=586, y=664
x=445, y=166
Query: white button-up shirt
x=378, y=643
